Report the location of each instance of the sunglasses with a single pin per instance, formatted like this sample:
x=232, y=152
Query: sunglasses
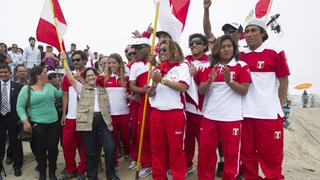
x=78, y=60
x=196, y=42
x=164, y=50
x=132, y=53
x=141, y=46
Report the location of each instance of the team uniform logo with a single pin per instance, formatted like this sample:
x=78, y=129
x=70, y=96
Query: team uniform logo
x=235, y=131
x=277, y=135
x=232, y=76
x=260, y=64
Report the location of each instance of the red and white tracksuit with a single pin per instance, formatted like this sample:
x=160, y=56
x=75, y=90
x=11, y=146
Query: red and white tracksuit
x=71, y=140
x=168, y=126
x=262, y=130
x=222, y=113
x=193, y=110
x=119, y=111
x=138, y=73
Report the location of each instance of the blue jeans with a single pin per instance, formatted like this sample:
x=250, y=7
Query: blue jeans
x=101, y=134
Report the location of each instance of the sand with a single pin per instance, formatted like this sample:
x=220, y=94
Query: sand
x=301, y=161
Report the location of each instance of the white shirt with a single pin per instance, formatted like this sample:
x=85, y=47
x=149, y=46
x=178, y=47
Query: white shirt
x=266, y=66
x=96, y=102
x=8, y=85
x=32, y=56
x=167, y=98
x=16, y=57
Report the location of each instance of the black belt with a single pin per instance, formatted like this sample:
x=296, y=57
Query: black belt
x=97, y=114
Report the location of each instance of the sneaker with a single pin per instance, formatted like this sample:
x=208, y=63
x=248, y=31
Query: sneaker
x=81, y=176
x=219, y=169
x=145, y=172
x=191, y=169
x=67, y=176
x=133, y=165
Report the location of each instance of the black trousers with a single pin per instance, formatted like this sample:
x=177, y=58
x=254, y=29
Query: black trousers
x=10, y=125
x=101, y=134
x=45, y=144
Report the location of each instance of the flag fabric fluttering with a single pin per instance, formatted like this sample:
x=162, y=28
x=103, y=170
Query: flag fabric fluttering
x=173, y=16
x=261, y=10
x=51, y=21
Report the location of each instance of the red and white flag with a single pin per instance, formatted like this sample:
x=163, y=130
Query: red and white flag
x=50, y=17
x=173, y=16
x=261, y=10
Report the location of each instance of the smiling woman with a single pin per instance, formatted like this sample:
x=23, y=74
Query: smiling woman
x=93, y=120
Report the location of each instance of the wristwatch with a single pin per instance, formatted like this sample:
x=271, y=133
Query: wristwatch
x=163, y=81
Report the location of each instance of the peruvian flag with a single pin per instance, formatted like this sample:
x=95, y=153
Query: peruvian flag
x=173, y=16
x=261, y=10
x=51, y=17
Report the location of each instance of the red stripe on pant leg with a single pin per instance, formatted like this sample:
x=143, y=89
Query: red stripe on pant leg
x=270, y=147
x=175, y=123
x=248, y=155
x=159, y=146
x=209, y=138
x=230, y=136
x=192, y=133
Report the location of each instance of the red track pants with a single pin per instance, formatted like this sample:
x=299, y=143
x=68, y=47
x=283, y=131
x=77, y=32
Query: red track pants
x=120, y=125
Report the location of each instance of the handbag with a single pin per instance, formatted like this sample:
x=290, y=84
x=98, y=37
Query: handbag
x=24, y=135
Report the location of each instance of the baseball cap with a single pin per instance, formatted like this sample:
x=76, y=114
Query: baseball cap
x=139, y=41
x=51, y=74
x=233, y=25
x=159, y=33
x=258, y=22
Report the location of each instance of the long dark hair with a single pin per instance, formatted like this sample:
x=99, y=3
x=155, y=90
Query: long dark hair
x=35, y=71
x=174, y=49
x=217, y=46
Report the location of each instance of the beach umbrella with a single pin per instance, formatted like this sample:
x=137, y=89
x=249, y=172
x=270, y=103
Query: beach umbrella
x=303, y=86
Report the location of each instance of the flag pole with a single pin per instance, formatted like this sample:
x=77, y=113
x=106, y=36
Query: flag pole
x=56, y=26
x=146, y=94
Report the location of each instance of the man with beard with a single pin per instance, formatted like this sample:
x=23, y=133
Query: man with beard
x=31, y=55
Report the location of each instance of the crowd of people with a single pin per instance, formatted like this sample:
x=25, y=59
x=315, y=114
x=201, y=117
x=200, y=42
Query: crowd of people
x=224, y=96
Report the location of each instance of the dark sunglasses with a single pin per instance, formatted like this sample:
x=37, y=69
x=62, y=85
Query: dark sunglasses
x=131, y=53
x=141, y=46
x=196, y=42
x=78, y=60
x=164, y=50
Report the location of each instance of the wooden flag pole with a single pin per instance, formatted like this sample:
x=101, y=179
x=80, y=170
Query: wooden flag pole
x=146, y=94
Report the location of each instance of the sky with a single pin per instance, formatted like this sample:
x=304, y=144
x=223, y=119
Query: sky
x=106, y=26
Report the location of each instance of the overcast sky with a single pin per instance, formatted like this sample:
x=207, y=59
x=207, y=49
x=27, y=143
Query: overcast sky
x=106, y=26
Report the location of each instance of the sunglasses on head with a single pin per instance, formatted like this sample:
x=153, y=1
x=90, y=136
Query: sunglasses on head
x=78, y=60
x=195, y=42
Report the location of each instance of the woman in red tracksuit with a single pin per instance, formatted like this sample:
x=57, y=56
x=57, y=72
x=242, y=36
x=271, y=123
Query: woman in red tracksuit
x=223, y=82
x=167, y=119
x=117, y=88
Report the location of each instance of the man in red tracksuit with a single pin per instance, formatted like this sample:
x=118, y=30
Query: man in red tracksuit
x=262, y=128
x=138, y=85
x=71, y=140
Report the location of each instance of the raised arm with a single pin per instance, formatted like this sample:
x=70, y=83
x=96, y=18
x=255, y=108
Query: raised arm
x=206, y=21
x=63, y=57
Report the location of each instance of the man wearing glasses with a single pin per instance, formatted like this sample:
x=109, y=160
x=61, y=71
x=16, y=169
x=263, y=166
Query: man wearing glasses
x=71, y=139
x=16, y=57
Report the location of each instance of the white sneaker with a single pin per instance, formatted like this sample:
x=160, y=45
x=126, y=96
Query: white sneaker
x=133, y=165
x=190, y=169
x=145, y=172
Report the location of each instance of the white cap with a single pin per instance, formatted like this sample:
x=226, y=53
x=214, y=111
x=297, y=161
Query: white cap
x=258, y=22
x=139, y=41
x=51, y=72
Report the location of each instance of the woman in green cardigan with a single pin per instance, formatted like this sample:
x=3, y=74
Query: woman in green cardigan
x=43, y=119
